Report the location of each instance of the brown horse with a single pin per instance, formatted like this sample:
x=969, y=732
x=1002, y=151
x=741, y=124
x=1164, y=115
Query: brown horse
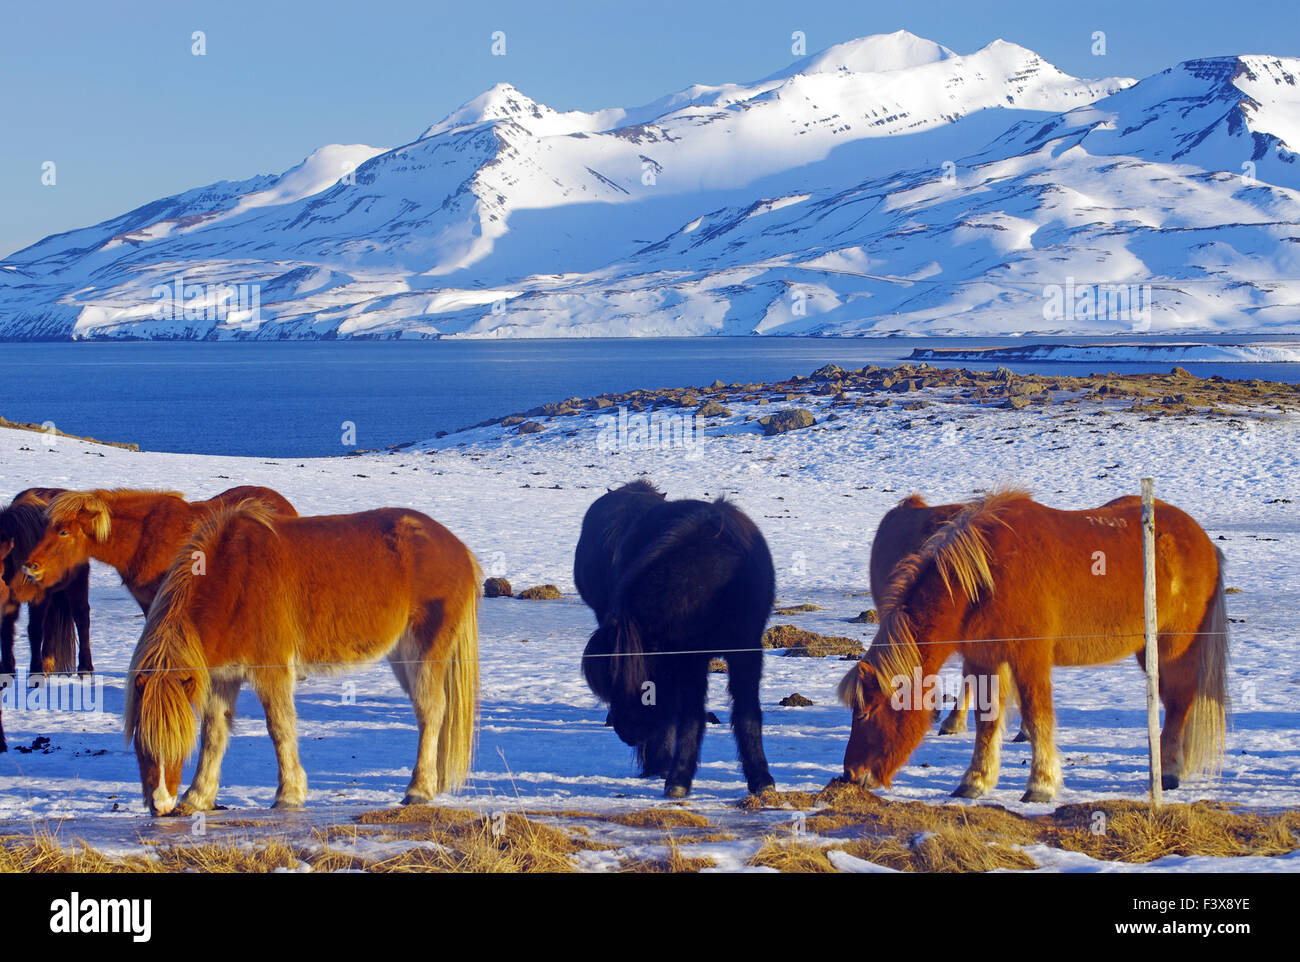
x=284, y=595
x=136, y=532
x=58, y=613
x=1007, y=580
x=902, y=532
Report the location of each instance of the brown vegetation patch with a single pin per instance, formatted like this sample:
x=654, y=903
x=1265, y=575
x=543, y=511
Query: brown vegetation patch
x=541, y=593
x=798, y=642
x=915, y=836
x=674, y=861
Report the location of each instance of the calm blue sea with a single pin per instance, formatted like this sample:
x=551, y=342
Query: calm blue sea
x=290, y=399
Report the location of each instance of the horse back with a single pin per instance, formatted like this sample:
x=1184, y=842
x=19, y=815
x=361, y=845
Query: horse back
x=1077, y=576
x=244, y=492
x=689, y=568
x=331, y=588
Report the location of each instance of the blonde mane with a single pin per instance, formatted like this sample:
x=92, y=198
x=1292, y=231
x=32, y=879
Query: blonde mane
x=170, y=651
x=958, y=551
x=70, y=505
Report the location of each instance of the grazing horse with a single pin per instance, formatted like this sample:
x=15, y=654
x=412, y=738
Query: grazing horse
x=136, y=532
x=902, y=532
x=284, y=595
x=1009, y=580
x=673, y=584
x=58, y=615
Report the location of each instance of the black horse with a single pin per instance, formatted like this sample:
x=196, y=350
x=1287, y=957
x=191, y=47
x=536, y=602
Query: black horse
x=61, y=615
x=674, y=584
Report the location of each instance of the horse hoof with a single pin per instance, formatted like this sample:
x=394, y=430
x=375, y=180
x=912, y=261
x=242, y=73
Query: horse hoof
x=415, y=798
x=945, y=730
x=967, y=791
x=676, y=791
x=1168, y=782
x=287, y=804
x=758, y=788
x=1020, y=736
x=1038, y=795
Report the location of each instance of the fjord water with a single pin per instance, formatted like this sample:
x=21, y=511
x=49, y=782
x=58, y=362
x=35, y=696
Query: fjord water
x=291, y=399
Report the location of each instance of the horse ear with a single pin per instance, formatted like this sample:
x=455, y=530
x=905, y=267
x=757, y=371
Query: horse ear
x=95, y=521
x=866, y=672
x=5, y=548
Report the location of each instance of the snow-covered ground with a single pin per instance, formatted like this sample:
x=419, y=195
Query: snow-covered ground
x=818, y=495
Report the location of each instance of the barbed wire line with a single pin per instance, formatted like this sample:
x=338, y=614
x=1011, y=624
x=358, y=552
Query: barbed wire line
x=326, y=667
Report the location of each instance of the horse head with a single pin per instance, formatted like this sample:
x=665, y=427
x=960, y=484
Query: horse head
x=161, y=724
x=879, y=740
x=76, y=521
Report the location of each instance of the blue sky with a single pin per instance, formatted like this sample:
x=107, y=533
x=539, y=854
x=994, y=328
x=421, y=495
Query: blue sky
x=112, y=94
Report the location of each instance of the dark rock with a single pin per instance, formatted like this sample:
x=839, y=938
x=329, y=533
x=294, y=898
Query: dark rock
x=796, y=700
x=541, y=593
x=497, y=588
x=790, y=419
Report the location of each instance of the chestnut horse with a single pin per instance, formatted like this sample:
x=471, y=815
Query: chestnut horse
x=902, y=532
x=136, y=532
x=1007, y=580
x=284, y=595
x=58, y=615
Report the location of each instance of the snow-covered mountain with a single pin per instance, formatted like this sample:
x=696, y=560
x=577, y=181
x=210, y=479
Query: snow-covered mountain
x=884, y=184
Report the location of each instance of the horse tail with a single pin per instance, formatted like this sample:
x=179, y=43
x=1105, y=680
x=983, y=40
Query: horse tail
x=59, y=650
x=614, y=660
x=460, y=688
x=1205, y=731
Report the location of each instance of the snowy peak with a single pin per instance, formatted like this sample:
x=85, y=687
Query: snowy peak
x=879, y=53
x=504, y=102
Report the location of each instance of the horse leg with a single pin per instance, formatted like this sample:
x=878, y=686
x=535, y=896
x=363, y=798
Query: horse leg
x=79, y=594
x=744, y=669
x=955, y=723
x=8, y=624
x=1178, y=682
x=218, y=714
x=693, y=680
x=36, y=637
x=275, y=689
x=420, y=680
x=1007, y=688
x=1038, y=717
x=986, y=758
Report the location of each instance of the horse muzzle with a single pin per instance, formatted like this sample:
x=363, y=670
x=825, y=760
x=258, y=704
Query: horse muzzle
x=33, y=572
x=863, y=779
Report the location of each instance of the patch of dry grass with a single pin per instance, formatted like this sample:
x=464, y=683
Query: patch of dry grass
x=918, y=837
x=1130, y=831
x=787, y=855
x=798, y=642
x=674, y=862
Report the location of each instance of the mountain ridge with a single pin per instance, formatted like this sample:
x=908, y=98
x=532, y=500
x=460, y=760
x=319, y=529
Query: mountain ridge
x=869, y=188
